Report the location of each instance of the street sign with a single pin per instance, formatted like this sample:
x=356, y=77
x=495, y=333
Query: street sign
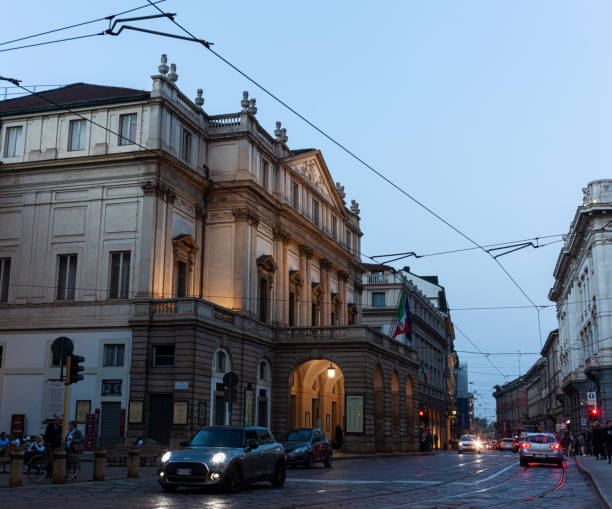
x=230, y=380
x=591, y=399
x=62, y=347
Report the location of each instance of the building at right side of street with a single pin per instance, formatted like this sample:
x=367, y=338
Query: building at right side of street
x=570, y=386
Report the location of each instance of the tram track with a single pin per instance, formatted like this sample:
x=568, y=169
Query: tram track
x=417, y=489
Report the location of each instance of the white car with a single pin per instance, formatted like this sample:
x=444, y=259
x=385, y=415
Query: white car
x=469, y=443
x=506, y=444
x=540, y=448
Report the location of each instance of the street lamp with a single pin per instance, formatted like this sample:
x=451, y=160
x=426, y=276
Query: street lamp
x=331, y=371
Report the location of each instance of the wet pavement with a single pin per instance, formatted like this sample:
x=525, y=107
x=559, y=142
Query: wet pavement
x=445, y=479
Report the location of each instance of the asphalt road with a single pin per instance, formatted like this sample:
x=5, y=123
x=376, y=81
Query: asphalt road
x=445, y=479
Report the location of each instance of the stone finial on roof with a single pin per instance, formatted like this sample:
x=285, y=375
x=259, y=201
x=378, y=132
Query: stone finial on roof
x=252, y=108
x=163, y=67
x=199, y=100
x=245, y=101
x=278, y=132
x=284, y=138
x=340, y=190
x=354, y=207
x=172, y=76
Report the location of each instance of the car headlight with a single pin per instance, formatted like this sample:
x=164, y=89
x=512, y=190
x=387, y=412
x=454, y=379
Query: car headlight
x=166, y=457
x=478, y=444
x=218, y=458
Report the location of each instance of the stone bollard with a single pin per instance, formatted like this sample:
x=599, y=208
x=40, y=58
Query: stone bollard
x=59, y=465
x=99, y=473
x=133, y=463
x=16, y=477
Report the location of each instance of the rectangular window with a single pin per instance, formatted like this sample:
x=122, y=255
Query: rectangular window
x=1, y=352
x=111, y=387
x=316, y=212
x=263, y=300
x=348, y=240
x=186, y=146
x=76, y=139
x=12, y=144
x=66, y=276
x=5, y=272
x=127, y=129
x=181, y=279
x=378, y=299
x=334, y=227
x=264, y=176
x=120, y=275
x=113, y=355
x=296, y=197
x=163, y=355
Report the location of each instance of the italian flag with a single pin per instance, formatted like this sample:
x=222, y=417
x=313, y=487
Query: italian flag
x=404, y=323
x=424, y=372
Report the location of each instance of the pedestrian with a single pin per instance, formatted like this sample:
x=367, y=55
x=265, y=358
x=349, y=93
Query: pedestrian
x=428, y=441
x=4, y=442
x=339, y=438
x=588, y=442
x=74, y=438
x=608, y=439
x=435, y=439
x=598, y=441
x=422, y=440
x=53, y=434
x=580, y=444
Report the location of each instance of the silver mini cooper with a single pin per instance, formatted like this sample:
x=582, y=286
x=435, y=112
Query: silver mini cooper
x=225, y=456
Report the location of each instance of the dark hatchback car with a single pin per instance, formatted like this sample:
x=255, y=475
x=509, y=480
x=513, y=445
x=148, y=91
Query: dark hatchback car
x=306, y=447
x=226, y=456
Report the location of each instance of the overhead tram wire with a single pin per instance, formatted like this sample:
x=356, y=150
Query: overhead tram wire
x=45, y=43
x=357, y=158
x=105, y=18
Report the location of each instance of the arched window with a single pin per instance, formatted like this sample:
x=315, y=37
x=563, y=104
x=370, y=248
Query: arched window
x=263, y=394
x=219, y=414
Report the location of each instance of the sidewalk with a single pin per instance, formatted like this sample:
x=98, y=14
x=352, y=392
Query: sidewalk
x=600, y=473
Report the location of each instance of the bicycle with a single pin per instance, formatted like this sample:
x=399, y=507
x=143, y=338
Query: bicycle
x=39, y=467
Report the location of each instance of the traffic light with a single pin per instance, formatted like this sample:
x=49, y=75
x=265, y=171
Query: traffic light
x=594, y=413
x=74, y=368
x=423, y=417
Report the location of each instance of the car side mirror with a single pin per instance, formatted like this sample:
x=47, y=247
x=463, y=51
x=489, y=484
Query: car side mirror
x=184, y=443
x=253, y=444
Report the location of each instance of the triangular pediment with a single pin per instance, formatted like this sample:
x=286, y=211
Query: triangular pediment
x=312, y=168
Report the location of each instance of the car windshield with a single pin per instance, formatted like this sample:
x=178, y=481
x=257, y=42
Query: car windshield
x=467, y=438
x=302, y=435
x=540, y=439
x=508, y=440
x=218, y=437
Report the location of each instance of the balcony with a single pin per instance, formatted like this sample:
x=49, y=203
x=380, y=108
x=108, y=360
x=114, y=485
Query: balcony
x=378, y=278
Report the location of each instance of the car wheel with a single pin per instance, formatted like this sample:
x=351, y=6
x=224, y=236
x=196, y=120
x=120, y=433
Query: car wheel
x=169, y=488
x=524, y=462
x=310, y=461
x=233, y=481
x=280, y=473
x=328, y=461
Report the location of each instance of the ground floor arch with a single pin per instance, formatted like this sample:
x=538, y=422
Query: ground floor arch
x=317, y=396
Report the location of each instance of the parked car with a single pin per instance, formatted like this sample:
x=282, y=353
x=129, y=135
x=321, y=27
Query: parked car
x=227, y=456
x=540, y=448
x=469, y=443
x=506, y=444
x=306, y=447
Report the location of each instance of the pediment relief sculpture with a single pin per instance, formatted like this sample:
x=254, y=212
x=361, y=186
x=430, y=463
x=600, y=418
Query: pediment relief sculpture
x=266, y=263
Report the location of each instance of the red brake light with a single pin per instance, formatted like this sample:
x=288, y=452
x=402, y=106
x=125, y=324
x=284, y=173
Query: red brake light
x=524, y=445
x=555, y=446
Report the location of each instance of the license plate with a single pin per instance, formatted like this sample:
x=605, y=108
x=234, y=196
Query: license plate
x=183, y=471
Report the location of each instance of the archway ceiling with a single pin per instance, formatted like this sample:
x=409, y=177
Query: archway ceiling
x=311, y=370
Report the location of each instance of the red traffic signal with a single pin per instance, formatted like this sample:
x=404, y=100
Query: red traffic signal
x=594, y=412
x=421, y=413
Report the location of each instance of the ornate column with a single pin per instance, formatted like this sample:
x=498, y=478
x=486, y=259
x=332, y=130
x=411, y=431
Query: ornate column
x=305, y=315
x=326, y=266
x=343, y=293
x=281, y=281
x=241, y=260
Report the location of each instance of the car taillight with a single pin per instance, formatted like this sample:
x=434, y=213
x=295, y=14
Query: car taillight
x=525, y=445
x=555, y=446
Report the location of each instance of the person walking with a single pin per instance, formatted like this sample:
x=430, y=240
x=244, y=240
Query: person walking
x=74, y=438
x=588, y=442
x=608, y=439
x=598, y=439
x=339, y=438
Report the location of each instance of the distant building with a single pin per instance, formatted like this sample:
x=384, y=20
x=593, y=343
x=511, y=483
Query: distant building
x=583, y=294
x=511, y=407
x=465, y=404
x=432, y=336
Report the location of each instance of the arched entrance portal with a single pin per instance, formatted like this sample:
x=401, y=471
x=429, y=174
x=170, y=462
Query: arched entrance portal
x=379, y=409
x=317, y=396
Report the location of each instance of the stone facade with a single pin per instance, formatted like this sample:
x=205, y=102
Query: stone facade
x=202, y=244
x=432, y=337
